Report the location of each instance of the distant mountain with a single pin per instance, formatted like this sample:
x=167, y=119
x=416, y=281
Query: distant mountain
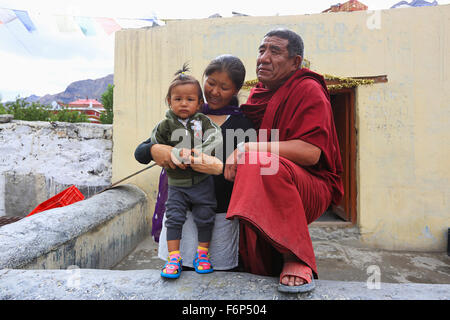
x=82, y=89
x=32, y=98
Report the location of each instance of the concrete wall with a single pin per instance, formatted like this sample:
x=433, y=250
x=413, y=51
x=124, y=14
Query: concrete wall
x=40, y=159
x=94, y=233
x=403, y=181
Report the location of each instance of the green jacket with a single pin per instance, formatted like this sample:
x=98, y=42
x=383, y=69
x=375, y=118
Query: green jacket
x=200, y=133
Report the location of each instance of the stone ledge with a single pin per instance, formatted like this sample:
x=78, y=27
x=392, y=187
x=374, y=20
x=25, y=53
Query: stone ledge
x=80, y=130
x=89, y=284
x=5, y=118
x=93, y=233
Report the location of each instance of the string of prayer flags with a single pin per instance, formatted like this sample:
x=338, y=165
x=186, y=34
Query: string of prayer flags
x=67, y=24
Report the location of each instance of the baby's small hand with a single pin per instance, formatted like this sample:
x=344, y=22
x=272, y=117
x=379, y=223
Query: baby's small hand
x=185, y=155
x=178, y=158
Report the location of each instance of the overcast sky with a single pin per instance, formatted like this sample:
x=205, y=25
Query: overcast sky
x=46, y=61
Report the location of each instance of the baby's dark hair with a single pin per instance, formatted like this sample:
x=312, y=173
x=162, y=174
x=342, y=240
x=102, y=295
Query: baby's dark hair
x=182, y=78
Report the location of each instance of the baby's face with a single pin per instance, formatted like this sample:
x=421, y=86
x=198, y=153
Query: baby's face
x=184, y=100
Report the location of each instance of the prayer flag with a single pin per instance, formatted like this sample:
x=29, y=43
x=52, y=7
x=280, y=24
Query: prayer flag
x=6, y=15
x=86, y=25
x=25, y=19
x=66, y=24
x=134, y=23
x=152, y=21
x=45, y=23
x=108, y=24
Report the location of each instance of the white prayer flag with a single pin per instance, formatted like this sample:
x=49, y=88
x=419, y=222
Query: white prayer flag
x=134, y=23
x=66, y=24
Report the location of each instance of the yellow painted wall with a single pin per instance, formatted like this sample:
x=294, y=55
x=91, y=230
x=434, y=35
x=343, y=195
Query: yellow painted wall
x=403, y=160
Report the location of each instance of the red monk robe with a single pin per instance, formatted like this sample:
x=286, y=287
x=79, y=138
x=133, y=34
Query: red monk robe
x=275, y=210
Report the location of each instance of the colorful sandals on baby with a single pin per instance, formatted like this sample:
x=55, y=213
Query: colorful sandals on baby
x=201, y=262
x=172, y=268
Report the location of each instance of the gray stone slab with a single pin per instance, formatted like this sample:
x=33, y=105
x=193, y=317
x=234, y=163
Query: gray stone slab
x=340, y=256
x=94, y=284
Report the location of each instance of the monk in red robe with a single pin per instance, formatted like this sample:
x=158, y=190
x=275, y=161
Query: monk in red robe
x=287, y=181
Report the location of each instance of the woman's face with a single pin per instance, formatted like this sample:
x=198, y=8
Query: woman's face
x=219, y=89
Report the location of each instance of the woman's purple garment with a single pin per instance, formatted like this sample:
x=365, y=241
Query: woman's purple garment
x=160, y=206
x=228, y=110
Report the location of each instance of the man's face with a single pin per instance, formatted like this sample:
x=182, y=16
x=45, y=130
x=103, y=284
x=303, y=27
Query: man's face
x=273, y=65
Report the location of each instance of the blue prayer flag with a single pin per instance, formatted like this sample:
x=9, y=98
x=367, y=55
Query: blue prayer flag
x=25, y=19
x=86, y=25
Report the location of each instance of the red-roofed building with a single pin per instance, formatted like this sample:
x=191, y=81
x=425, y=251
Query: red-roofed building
x=91, y=107
x=349, y=6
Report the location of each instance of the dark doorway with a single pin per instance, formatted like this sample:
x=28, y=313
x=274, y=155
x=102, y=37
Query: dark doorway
x=343, y=106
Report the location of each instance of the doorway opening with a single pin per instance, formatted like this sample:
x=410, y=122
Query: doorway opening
x=343, y=107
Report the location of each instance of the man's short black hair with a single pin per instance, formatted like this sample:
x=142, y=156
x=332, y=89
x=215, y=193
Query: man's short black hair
x=295, y=42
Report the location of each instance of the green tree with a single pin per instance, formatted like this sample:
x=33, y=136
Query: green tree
x=23, y=110
x=66, y=115
x=107, y=100
x=2, y=107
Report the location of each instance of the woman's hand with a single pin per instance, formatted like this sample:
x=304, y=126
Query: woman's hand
x=232, y=162
x=162, y=155
x=206, y=164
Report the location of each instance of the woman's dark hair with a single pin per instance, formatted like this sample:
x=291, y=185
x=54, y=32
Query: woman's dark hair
x=182, y=78
x=295, y=42
x=233, y=66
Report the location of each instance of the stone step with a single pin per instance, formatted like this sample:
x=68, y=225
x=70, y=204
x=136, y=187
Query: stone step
x=96, y=284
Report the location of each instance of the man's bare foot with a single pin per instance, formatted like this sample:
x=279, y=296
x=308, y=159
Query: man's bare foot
x=291, y=280
x=296, y=276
